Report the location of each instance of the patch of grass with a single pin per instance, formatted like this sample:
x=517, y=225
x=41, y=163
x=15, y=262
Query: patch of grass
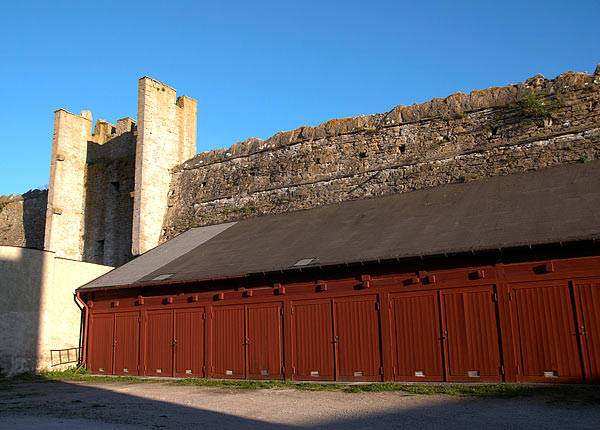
x=469, y=177
x=67, y=372
x=75, y=375
x=569, y=394
x=588, y=394
x=537, y=107
x=260, y=385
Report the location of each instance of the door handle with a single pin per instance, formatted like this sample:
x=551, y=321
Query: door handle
x=247, y=341
x=336, y=339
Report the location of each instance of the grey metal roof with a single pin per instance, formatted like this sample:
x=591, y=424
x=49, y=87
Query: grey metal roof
x=157, y=257
x=552, y=205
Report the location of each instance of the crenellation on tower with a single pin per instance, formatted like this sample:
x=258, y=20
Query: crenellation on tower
x=125, y=125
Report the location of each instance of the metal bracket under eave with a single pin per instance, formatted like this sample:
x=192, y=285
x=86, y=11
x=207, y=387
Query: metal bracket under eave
x=366, y=281
x=321, y=286
x=279, y=290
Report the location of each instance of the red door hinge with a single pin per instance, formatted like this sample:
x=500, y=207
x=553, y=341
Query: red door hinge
x=502, y=369
x=495, y=297
x=377, y=305
x=283, y=370
x=293, y=370
x=280, y=311
x=381, y=370
x=203, y=316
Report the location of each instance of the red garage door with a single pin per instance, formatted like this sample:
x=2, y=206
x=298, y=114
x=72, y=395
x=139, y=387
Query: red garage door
x=264, y=341
x=547, y=332
x=101, y=343
x=470, y=331
x=417, y=338
x=127, y=343
x=312, y=353
x=229, y=358
x=159, y=343
x=588, y=323
x=189, y=343
x=357, y=338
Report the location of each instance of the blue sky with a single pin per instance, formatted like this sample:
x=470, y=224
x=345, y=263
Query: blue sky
x=259, y=67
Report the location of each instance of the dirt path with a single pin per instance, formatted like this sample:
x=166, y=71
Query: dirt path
x=60, y=405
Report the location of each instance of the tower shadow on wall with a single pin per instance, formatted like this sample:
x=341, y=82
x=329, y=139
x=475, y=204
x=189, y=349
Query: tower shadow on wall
x=109, y=187
x=24, y=274
x=34, y=218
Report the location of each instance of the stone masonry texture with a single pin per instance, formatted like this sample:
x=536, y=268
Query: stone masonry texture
x=464, y=137
x=23, y=219
x=119, y=190
x=90, y=206
x=166, y=138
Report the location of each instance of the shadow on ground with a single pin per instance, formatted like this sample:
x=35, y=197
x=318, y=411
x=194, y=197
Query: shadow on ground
x=51, y=404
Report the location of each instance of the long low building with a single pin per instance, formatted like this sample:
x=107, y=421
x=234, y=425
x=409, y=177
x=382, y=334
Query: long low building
x=490, y=280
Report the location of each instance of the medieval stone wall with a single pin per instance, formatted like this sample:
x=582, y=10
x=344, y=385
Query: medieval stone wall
x=531, y=125
x=23, y=219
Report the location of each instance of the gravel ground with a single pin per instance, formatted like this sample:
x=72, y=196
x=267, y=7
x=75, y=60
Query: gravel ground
x=60, y=405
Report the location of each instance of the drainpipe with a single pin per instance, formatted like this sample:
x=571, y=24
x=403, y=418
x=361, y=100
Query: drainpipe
x=83, y=306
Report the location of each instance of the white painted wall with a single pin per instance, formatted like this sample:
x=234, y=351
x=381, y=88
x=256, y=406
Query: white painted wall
x=37, y=311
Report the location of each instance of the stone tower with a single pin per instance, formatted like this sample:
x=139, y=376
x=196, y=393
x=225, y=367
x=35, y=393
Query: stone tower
x=166, y=137
x=66, y=188
x=107, y=193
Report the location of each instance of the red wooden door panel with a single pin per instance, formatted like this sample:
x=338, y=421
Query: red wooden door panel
x=100, y=350
x=471, y=335
x=127, y=343
x=312, y=349
x=589, y=328
x=159, y=343
x=417, y=338
x=189, y=343
x=229, y=359
x=264, y=347
x=547, y=333
x=357, y=338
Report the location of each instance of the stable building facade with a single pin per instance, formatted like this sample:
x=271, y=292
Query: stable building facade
x=490, y=280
